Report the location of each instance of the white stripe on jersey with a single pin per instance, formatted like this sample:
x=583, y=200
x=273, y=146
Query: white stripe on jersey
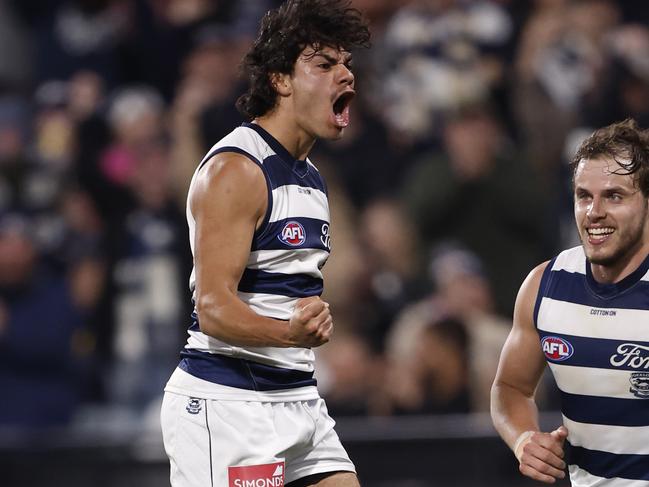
x=271, y=305
x=200, y=341
x=581, y=478
x=601, y=382
x=573, y=260
x=613, y=439
x=287, y=358
x=569, y=261
x=288, y=202
x=301, y=261
x=575, y=319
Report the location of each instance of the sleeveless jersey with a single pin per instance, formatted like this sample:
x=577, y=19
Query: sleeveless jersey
x=595, y=338
x=287, y=254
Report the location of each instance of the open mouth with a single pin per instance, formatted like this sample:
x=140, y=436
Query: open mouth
x=341, y=108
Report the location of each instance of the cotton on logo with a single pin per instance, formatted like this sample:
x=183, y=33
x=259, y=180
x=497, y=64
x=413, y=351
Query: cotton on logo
x=267, y=475
x=556, y=349
x=293, y=234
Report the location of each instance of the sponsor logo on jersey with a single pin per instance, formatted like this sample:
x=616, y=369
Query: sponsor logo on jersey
x=631, y=355
x=640, y=384
x=557, y=349
x=266, y=475
x=325, y=238
x=293, y=234
x=603, y=312
x=193, y=405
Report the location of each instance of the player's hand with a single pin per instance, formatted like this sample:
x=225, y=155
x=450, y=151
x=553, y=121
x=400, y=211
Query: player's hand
x=311, y=324
x=540, y=455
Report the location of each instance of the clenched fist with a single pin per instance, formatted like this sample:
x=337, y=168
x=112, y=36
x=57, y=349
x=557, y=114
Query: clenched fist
x=311, y=324
x=540, y=455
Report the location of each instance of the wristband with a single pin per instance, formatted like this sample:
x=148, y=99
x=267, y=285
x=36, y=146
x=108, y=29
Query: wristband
x=521, y=438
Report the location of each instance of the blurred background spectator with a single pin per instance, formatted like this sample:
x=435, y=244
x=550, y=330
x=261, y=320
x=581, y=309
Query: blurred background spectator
x=449, y=186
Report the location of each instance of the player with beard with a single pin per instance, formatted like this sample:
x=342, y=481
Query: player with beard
x=586, y=314
x=242, y=406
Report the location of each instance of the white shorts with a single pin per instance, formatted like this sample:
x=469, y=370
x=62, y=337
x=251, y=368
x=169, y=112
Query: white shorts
x=248, y=444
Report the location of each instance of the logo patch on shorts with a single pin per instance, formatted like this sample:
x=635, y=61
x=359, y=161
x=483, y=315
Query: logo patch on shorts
x=267, y=475
x=557, y=349
x=293, y=234
x=194, y=405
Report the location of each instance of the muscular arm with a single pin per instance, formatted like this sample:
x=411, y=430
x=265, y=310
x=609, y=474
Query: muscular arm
x=228, y=202
x=513, y=409
x=521, y=364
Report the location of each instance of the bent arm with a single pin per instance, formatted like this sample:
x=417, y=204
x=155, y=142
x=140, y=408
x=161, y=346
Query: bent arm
x=513, y=409
x=228, y=202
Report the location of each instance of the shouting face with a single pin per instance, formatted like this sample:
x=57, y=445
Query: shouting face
x=320, y=90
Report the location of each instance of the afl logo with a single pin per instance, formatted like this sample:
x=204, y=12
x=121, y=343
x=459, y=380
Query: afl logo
x=293, y=234
x=556, y=349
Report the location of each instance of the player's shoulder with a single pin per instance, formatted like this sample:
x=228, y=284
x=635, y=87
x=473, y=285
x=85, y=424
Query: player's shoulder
x=232, y=171
x=244, y=140
x=529, y=290
x=570, y=260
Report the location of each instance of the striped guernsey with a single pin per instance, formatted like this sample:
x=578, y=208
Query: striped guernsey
x=595, y=338
x=287, y=255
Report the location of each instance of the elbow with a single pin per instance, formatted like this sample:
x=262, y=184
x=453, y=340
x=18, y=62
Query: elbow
x=210, y=319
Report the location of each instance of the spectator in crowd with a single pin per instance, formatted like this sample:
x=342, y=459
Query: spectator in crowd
x=45, y=346
x=561, y=59
x=482, y=194
x=463, y=294
x=440, y=54
x=433, y=376
x=392, y=263
x=148, y=276
x=349, y=375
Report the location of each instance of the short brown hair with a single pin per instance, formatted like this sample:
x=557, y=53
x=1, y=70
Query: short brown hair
x=625, y=143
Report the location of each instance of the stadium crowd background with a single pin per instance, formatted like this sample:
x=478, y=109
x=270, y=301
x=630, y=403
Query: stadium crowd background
x=450, y=184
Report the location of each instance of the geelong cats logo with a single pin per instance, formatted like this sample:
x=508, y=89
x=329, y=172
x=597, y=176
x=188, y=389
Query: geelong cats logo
x=640, y=384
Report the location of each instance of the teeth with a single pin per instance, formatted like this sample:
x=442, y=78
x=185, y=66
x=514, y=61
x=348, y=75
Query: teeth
x=600, y=231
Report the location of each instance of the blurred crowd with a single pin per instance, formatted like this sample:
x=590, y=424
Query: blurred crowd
x=449, y=186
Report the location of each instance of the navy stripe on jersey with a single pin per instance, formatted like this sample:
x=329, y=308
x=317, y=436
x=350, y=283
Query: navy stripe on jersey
x=609, y=465
x=237, y=150
x=241, y=373
x=608, y=290
x=313, y=229
x=572, y=287
x=597, y=352
x=300, y=167
x=545, y=279
x=291, y=285
x=605, y=410
x=281, y=173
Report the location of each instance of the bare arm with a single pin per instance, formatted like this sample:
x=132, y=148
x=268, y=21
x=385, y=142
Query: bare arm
x=513, y=409
x=228, y=202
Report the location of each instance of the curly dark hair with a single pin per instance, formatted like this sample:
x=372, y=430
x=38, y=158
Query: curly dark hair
x=283, y=35
x=625, y=143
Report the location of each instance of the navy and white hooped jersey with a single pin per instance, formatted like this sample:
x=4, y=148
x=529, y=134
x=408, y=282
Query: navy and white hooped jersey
x=287, y=254
x=595, y=338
